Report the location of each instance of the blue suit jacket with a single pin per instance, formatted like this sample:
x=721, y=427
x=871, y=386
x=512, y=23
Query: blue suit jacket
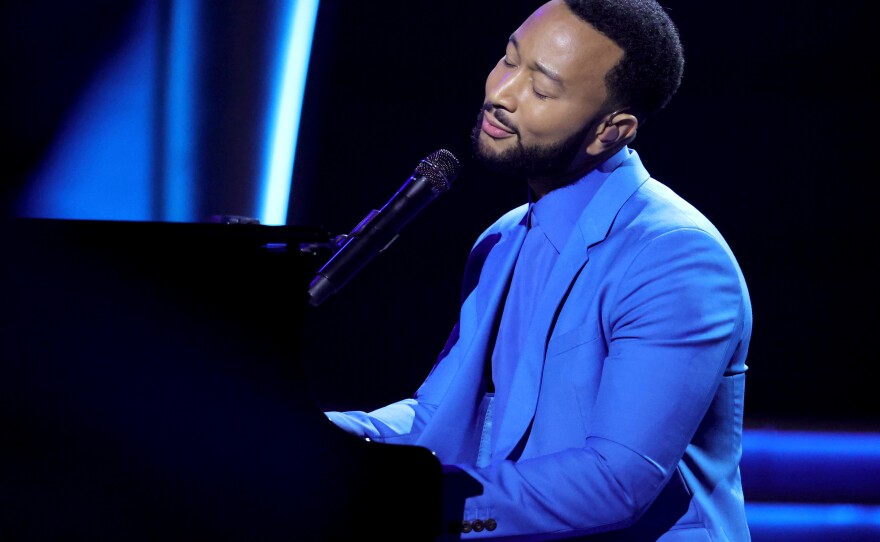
x=624, y=416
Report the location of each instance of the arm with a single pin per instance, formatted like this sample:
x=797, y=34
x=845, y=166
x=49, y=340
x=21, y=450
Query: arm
x=672, y=325
x=402, y=422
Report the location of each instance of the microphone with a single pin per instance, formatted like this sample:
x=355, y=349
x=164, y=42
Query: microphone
x=375, y=233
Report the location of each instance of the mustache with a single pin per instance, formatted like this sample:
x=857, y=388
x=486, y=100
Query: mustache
x=500, y=116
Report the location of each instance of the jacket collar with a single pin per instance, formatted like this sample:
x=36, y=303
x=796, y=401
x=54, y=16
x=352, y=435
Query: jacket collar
x=593, y=225
x=559, y=211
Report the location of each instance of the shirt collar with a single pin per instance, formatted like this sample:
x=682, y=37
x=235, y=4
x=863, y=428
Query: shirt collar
x=559, y=210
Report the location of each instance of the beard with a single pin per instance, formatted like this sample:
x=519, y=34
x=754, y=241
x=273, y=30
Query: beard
x=529, y=161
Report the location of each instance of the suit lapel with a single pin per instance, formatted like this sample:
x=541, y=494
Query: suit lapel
x=478, y=316
x=513, y=417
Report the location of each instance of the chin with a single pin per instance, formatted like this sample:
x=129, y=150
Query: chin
x=492, y=148
x=485, y=153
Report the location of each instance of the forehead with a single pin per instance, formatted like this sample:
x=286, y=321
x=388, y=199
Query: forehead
x=554, y=37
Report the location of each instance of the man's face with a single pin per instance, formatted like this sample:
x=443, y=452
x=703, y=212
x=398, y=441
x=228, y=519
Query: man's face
x=543, y=96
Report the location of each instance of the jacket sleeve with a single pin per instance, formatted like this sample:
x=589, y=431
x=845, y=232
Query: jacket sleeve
x=403, y=421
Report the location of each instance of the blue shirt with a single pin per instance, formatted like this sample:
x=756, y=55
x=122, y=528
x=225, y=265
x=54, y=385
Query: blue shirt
x=550, y=220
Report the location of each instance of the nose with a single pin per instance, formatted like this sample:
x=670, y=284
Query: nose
x=500, y=89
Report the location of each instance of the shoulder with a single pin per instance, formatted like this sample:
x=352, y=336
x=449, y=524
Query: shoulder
x=655, y=210
x=658, y=229
x=659, y=236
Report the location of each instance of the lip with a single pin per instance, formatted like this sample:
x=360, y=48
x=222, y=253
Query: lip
x=493, y=128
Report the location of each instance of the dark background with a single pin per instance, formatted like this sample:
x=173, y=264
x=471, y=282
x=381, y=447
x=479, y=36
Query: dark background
x=769, y=135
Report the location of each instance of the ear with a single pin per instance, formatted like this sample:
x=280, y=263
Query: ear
x=617, y=130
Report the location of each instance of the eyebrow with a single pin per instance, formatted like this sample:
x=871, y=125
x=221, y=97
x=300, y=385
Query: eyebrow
x=546, y=70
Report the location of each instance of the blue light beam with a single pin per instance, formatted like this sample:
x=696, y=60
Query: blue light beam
x=275, y=190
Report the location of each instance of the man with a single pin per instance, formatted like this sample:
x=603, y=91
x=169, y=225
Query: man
x=595, y=380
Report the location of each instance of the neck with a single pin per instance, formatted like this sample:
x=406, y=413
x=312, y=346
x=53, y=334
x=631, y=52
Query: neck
x=583, y=164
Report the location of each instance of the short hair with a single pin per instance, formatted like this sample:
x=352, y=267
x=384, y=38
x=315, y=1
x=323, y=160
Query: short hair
x=650, y=71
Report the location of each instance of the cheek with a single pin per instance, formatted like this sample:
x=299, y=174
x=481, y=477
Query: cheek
x=549, y=123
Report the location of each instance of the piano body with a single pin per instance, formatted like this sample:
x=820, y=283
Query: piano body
x=151, y=389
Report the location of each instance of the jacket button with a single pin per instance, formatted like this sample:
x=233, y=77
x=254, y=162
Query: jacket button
x=478, y=525
x=466, y=526
x=491, y=524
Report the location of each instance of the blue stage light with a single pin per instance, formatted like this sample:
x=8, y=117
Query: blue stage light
x=275, y=193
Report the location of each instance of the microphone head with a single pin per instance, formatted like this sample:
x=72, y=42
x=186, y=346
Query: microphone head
x=440, y=168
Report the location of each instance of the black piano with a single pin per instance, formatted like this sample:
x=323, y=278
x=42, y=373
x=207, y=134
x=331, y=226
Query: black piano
x=151, y=389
